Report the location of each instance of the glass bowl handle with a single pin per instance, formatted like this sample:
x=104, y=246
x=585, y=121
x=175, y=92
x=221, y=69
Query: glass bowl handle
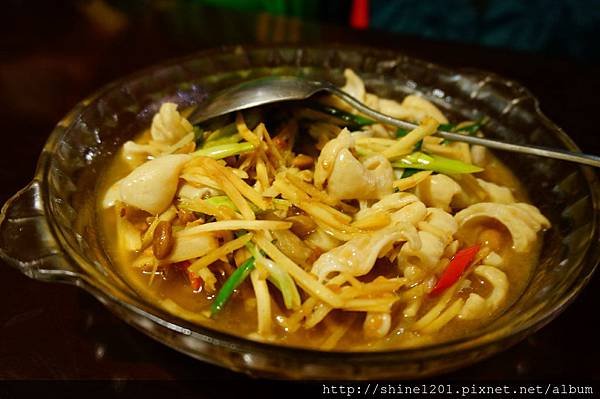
x=26, y=238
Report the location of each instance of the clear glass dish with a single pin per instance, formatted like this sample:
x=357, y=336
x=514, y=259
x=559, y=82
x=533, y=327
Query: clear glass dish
x=48, y=229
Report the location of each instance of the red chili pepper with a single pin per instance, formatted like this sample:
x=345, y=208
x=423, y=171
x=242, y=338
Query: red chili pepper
x=460, y=261
x=195, y=281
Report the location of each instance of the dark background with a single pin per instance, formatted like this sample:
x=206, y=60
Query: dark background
x=55, y=53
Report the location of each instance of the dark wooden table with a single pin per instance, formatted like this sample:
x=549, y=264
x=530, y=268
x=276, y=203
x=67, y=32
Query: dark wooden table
x=57, y=53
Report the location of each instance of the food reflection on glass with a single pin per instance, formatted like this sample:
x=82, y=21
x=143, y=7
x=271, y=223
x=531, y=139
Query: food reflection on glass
x=309, y=225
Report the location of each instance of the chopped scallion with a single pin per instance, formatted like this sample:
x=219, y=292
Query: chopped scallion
x=436, y=163
x=234, y=280
x=351, y=120
x=225, y=150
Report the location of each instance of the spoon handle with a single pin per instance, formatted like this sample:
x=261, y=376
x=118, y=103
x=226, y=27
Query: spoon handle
x=585, y=159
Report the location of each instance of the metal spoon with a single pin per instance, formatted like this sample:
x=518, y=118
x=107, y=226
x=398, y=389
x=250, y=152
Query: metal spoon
x=283, y=88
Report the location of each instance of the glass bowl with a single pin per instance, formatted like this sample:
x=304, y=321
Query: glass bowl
x=48, y=230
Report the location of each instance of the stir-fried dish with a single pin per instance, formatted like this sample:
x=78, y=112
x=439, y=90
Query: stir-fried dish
x=310, y=225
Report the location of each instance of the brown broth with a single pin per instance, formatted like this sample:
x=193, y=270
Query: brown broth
x=172, y=292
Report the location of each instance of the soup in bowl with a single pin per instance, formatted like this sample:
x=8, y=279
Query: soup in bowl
x=310, y=225
x=303, y=240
